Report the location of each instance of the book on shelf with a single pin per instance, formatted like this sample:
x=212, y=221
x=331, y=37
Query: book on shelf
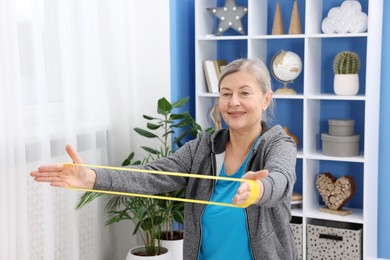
x=212, y=70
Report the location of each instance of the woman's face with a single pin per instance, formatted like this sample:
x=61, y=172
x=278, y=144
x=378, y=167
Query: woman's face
x=241, y=101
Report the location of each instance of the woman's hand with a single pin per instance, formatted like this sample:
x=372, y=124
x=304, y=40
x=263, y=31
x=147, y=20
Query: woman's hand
x=244, y=191
x=63, y=175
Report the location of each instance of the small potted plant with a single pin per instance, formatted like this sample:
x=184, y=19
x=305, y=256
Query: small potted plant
x=346, y=68
x=153, y=216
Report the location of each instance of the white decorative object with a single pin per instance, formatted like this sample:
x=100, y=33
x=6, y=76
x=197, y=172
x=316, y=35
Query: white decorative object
x=229, y=17
x=346, y=84
x=348, y=18
x=286, y=67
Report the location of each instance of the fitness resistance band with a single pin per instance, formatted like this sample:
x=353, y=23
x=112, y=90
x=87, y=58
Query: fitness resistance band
x=254, y=187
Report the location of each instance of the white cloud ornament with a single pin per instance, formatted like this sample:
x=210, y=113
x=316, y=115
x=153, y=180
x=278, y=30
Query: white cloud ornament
x=348, y=18
x=229, y=17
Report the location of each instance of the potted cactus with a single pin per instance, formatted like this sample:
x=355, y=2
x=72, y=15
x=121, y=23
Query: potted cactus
x=346, y=68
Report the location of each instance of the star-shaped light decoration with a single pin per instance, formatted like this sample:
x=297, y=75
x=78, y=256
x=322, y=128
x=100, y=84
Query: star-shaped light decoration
x=229, y=16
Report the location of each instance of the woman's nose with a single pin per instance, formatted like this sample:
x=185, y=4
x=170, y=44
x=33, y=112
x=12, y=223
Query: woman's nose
x=234, y=100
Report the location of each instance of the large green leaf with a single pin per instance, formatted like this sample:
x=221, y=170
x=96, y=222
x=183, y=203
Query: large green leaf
x=150, y=150
x=179, y=116
x=183, y=123
x=164, y=107
x=145, y=133
x=168, y=133
x=180, y=137
x=149, y=117
x=137, y=227
x=178, y=216
x=152, y=126
x=181, y=102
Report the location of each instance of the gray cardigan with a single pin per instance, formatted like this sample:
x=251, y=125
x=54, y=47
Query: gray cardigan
x=268, y=221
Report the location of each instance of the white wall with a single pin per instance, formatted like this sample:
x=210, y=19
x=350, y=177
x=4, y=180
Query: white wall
x=151, y=64
x=148, y=68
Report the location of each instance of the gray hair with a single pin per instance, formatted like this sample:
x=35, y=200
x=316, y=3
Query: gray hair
x=258, y=69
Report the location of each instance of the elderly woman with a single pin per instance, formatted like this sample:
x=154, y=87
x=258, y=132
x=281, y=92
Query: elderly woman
x=249, y=148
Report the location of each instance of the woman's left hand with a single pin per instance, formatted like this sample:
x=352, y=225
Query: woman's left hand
x=244, y=191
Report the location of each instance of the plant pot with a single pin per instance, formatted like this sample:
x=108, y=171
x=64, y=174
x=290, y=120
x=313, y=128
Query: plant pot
x=346, y=84
x=133, y=254
x=174, y=246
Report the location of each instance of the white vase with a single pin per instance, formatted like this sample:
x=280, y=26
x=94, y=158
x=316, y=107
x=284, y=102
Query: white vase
x=131, y=255
x=174, y=246
x=346, y=84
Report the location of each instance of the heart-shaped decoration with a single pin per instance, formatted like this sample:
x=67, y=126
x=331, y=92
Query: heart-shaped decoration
x=335, y=192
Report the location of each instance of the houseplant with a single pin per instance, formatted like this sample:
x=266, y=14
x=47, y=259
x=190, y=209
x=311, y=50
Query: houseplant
x=154, y=217
x=346, y=68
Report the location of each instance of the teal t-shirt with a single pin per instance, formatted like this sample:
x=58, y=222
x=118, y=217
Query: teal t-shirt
x=224, y=229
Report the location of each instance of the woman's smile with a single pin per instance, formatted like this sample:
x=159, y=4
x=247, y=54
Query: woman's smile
x=236, y=114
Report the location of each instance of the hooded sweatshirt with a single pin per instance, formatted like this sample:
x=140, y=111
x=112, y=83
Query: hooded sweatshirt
x=269, y=232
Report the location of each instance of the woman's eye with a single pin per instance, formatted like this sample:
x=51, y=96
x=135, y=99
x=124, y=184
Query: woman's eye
x=245, y=93
x=226, y=94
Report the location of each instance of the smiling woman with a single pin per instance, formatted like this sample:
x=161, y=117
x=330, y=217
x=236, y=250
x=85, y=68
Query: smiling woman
x=71, y=72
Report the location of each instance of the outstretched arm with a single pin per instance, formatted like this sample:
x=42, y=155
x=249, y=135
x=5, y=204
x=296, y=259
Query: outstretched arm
x=63, y=175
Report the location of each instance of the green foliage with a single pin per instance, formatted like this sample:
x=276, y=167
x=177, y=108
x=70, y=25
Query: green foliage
x=153, y=215
x=346, y=62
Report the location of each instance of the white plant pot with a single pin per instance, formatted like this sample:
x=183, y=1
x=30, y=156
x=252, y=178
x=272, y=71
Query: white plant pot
x=175, y=246
x=346, y=84
x=131, y=255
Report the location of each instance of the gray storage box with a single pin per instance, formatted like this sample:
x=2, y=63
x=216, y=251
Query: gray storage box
x=296, y=226
x=334, y=240
x=342, y=146
x=341, y=127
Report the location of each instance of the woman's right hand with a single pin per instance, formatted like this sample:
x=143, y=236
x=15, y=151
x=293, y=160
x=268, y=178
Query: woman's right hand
x=66, y=175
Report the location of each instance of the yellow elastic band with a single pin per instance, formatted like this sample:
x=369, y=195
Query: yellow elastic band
x=253, y=185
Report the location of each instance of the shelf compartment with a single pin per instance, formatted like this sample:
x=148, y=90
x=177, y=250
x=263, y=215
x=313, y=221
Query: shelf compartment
x=319, y=62
x=312, y=199
x=318, y=10
x=265, y=49
x=318, y=112
x=206, y=22
x=286, y=8
x=228, y=50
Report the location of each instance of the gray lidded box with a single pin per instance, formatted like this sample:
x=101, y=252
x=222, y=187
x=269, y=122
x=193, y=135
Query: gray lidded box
x=340, y=146
x=341, y=127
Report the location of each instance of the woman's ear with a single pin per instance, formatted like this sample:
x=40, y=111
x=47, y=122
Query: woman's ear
x=267, y=100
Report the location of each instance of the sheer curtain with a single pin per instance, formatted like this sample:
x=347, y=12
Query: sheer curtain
x=65, y=73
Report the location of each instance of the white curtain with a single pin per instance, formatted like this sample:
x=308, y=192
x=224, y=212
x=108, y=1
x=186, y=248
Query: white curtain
x=66, y=71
